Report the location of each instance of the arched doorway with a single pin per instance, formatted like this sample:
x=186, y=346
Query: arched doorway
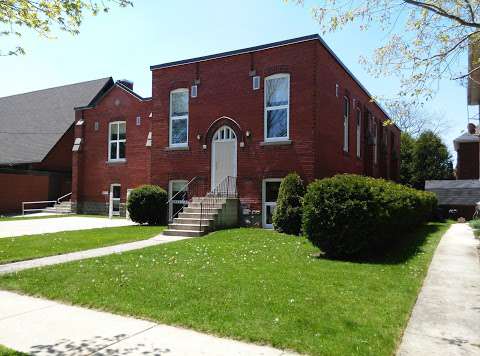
x=224, y=155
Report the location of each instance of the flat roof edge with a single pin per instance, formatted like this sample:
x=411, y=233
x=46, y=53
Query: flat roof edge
x=236, y=52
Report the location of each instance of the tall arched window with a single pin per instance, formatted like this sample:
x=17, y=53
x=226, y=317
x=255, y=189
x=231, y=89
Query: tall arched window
x=277, y=107
x=346, y=115
x=178, y=118
x=358, y=126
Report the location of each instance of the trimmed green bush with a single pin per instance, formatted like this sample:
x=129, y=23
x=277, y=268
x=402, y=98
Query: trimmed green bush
x=288, y=213
x=147, y=204
x=355, y=216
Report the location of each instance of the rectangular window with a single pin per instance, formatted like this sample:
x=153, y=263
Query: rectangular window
x=269, y=199
x=138, y=121
x=256, y=82
x=115, y=199
x=117, y=140
x=375, y=137
x=277, y=107
x=358, y=125
x=346, y=115
x=194, y=91
x=179, y=118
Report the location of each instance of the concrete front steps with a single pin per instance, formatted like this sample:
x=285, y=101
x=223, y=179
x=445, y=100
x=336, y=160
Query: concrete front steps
x=190, y=221
x=65, y=207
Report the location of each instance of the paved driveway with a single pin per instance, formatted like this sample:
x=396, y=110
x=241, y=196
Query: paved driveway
x=43, y=226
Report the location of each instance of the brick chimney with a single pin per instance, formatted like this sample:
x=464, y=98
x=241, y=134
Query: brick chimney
x=126, y=83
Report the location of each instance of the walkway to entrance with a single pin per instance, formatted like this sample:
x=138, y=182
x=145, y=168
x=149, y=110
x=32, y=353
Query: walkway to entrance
x=446, y=317
x=69, y=223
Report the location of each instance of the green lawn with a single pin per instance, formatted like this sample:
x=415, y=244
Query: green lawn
x=252, y=285
x=8, y=352
x=33, y=246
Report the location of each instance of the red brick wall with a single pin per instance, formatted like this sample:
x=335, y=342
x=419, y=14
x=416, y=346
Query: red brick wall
x=22, y=187
x=467, y=160
x=225, y=96
x=331, y=158
x=92, y=171
x=59, y=159
x=316, y=118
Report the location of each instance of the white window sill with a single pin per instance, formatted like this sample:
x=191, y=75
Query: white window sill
x=276, y=142
x=116, y=161
x=177, y=148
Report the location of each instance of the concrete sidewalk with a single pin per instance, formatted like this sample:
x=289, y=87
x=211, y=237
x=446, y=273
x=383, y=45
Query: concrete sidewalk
x=41, y=327
x=81, y=255
x=446, y=317
x=22, y=227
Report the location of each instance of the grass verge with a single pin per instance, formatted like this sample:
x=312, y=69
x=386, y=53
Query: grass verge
x=34, y=246
x=4, y=351
x=253, y=285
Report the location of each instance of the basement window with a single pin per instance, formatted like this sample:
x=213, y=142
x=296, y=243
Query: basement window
x=277, y=107
x=117, y=140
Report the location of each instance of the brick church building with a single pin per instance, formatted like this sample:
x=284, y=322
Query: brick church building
x=256, y=114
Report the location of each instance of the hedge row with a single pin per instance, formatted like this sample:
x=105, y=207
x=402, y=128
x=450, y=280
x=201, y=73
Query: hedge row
x=349, y=215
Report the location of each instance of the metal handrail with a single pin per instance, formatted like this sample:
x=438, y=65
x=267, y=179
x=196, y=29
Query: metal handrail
x=63, y=196
x=35, y=202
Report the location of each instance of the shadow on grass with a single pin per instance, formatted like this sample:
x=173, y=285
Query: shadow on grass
x=408, y=245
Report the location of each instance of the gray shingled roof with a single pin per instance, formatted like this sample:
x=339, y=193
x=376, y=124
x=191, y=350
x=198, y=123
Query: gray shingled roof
x=32, y=123
x=455, y=192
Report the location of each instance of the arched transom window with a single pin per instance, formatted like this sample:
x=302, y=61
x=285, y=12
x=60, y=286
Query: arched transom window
x=224, y=133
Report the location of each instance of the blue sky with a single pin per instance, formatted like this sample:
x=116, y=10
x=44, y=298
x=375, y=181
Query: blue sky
x=125, y=42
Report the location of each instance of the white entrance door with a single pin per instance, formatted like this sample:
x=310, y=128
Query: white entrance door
x=224, y=155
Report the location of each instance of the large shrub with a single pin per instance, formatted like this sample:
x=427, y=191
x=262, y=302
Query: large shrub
x=288, y=213
x=147, y=204
x=354, y=216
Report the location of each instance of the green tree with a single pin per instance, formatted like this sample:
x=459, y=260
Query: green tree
x=41, y=15
x=431, y=160
x=425, y=41
x=407, y=147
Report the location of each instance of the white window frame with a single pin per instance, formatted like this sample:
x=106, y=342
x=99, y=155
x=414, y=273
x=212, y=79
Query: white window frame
x=358, y=127
x=170, y=195
x=265, y=204
x=127, y=214
x=110, y=207
x=266, y=109
x=182, y=117
x=256, y=82
x=346, y=117
x=117, y=141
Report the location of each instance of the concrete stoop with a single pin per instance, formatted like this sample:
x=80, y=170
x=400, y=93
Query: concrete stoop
x=191, y=222
x=65, y=207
